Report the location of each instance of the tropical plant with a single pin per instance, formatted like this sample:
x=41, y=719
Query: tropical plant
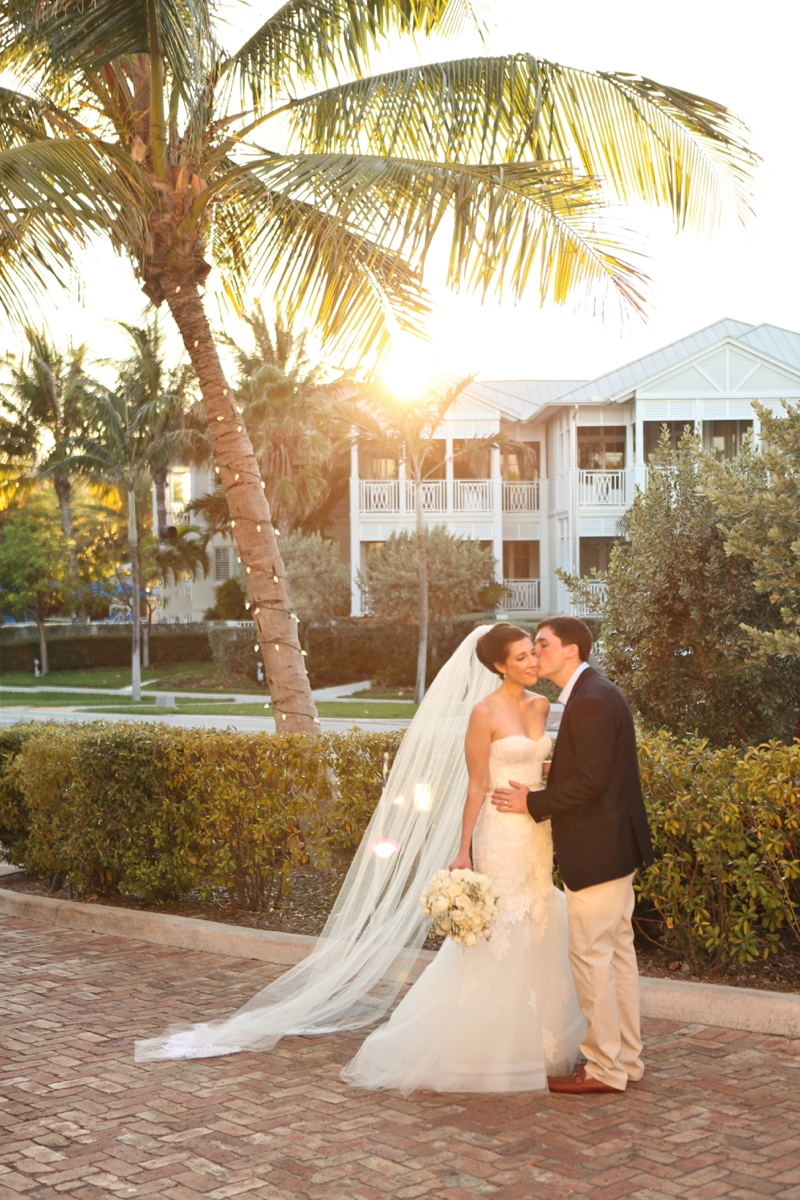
x=183, y=556
x=760, y=511
x=44, y=402
x=461, y=577
x=402, y=430
x=286, y=403
x=178, y=429
x=34, y=565
x=675, y=605
x=230, y=602
x=116, y=455
x=142, y=126
x=319, y=582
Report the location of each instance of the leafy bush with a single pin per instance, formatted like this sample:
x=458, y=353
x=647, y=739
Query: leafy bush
x=229, y=602
x=156, y=810
x=726, y=830
x=168, y=645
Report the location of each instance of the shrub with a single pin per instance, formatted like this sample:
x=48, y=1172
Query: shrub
x=230, y=599
x=725, y=830
x=170, y=645
x=156, y=810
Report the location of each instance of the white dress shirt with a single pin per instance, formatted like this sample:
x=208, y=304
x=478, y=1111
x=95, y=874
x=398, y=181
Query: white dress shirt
x=566, y=691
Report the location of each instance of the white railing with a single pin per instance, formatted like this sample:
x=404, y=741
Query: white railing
x=379, y=496
x=601, y=487
x=521, y=497
x=434, y=496
x=599, y=590
x=472, y=495
x=521, y=595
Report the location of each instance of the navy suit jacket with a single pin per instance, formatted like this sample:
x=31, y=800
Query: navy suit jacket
x=594, y=795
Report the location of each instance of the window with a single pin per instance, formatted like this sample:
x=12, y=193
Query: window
x=724, y=438
x=601, y=447
x=652, y=434
x=474, y=465
x=374, y=466
x=517, y=468
x=595, y=553
x=520, y=560
x=222, y=564
x=434, y=465
x=185, y=589
x=181, y=488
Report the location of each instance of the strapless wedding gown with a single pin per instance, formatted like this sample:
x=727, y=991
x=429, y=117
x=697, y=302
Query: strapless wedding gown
x=500, y=1016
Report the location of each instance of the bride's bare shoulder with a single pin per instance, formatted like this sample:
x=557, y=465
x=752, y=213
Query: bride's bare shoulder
x=482, y=712
x=540, y=703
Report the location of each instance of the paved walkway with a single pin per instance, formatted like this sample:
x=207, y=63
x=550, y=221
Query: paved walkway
x=718, y=1114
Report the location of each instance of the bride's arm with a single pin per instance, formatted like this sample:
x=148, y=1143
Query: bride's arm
x=476, y=749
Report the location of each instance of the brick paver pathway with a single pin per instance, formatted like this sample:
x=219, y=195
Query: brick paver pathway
x=717, y=1115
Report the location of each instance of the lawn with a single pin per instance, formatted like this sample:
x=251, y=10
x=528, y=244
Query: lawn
x=327, y=708
x=203, y=677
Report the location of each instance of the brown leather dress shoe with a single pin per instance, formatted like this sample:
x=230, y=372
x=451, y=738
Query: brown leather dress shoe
x=579, y=1084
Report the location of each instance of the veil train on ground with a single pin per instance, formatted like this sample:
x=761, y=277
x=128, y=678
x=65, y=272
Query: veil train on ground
x=366, y=950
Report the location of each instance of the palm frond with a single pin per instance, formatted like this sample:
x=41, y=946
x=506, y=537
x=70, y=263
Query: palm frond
x=647, y=140
x=305, y=37
x=356, y=291
x=60, y=37
x=508, y=221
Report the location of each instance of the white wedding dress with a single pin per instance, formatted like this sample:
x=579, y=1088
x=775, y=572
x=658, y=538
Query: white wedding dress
x=500, y=1016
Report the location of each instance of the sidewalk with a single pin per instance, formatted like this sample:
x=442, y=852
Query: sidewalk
x=717, y=1115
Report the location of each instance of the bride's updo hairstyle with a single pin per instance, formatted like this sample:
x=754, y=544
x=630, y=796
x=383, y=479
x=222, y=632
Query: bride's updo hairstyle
x=493, y=646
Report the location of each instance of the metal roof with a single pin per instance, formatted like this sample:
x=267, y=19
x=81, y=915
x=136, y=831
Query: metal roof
x=626, y=379
x=519, y=399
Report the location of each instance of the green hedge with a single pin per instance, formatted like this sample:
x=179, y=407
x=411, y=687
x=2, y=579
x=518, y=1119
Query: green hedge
x=105, y=650
x=157, y=810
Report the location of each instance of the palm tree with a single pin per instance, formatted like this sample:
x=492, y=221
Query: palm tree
x=182, y=556
x=143, y=127
x=403, y=430
x=177, y=430
x=116, y=454
x=45, y=402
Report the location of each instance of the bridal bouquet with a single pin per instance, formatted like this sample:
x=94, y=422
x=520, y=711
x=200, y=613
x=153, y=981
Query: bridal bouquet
x=461, y=905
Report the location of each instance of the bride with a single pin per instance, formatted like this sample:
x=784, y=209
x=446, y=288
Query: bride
x=500, y=1016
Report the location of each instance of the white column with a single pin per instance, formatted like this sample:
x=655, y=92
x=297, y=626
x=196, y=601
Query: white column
x=355, y=532
x=574, y=533
x=448, y=467
x=497, y=514
x=640, y=471
x=401, y=487
x=544, y=548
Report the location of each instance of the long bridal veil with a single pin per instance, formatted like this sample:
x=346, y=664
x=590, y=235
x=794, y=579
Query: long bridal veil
x=376, y=927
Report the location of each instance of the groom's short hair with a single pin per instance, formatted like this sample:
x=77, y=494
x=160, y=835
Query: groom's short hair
x=570, y=632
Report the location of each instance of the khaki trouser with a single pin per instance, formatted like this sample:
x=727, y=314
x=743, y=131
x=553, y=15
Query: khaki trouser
x=603, y=963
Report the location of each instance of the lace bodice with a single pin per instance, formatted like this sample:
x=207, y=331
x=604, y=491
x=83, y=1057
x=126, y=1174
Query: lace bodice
x=519, y=758
x=515, y=851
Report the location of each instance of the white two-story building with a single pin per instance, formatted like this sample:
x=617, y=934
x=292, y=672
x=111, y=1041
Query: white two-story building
x=560, y=504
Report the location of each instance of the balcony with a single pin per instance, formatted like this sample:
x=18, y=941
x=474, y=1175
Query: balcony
x=598, y=590
x=521, y=595
x=599, y=488
x=379, y=496
x=521, y=497
x=434, y=496
x=469, y=496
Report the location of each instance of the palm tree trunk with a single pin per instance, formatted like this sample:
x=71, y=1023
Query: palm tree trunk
x=146, y=639
x=276, y=629
x=44, y=666
x=422, y=555
x=160, y=485
x=63, y=489
x=136, y=607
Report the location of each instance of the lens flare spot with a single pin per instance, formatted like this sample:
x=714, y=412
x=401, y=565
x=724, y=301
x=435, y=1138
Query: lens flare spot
x=423, y=797
x=398, y=800
x=384, y=849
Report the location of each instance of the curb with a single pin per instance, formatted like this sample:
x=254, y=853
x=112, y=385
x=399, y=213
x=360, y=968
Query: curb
x=184, y=933
x=746, y=1009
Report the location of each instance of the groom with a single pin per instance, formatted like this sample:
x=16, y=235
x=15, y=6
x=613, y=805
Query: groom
x=600, y=835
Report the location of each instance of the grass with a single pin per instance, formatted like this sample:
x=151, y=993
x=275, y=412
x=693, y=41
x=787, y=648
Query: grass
x=329, y=708
x=385, y=693
x=202, y=677
x=58, y=700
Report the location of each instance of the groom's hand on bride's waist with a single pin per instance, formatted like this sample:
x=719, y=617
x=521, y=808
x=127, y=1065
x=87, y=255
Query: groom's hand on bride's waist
x=513, y=799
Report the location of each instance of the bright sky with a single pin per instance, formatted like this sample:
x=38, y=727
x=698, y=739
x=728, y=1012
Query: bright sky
x=738, y=53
